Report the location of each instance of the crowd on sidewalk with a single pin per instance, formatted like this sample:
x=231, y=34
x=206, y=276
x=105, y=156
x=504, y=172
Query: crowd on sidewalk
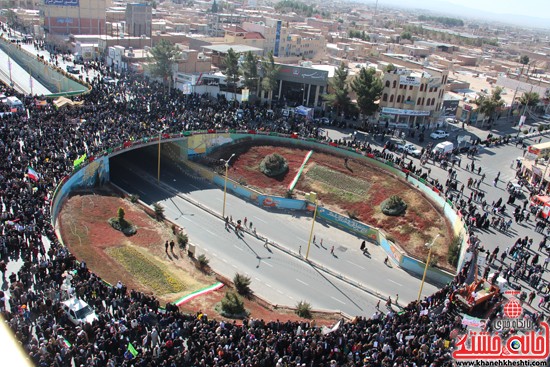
x=39, y=148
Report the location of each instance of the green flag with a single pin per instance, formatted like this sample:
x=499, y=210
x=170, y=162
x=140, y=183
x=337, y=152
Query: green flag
x=77, y=162
x=132, y=350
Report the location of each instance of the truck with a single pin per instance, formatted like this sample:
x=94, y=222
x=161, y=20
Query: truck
x=542, y=203
x=443, y=148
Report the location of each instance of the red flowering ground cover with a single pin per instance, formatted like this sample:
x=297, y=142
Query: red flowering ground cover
x=356, y=190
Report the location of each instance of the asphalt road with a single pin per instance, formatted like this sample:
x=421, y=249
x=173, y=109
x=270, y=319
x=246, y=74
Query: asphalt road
x=282, y=277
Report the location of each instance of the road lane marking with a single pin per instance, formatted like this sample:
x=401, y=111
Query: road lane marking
x=268, y=285
x=261, y=220
x=268, y=264
x=212, y=233
x=301, y=281
x=359, y=266
x=237, y=247
x=193, y=186
x=395, y=282
x=337, y=300
x=258, y=279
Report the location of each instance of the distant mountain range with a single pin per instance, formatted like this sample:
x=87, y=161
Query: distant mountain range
x=444, y=7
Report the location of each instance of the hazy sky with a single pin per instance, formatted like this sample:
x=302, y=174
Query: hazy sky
x=535, y=8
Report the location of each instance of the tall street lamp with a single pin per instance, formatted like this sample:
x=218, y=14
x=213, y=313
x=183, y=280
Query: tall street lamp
x=158, y=165
x=226, y=163
x=429, y=246
x=313, y=198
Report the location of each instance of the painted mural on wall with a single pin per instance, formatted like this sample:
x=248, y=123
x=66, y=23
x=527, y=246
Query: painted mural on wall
x=348, y=223
x=94, y=174
x=202, y=143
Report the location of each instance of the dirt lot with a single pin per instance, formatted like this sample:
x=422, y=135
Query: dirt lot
x=355, y=189
x=141, y=262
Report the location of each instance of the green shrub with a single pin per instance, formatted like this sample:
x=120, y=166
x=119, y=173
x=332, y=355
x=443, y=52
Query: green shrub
x=540, y=128
x=242, y=284
x=159, y=211
x=232, y=305
x=120, y=215
x=202, y=261
x=274, y=165
x=454, y=251
x=183, y=240
x=303, y=309
x=393, y=206
x=526, y=131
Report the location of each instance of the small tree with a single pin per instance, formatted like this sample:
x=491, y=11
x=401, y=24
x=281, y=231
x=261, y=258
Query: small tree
x=159, y=211
x=231, y=72
x=233, y=305
x=269, y=78
x=164, y=54
x=303, y=309
x=183, y=240
x=368, y=88
x=202, y=261
x=242, y=284
x=249, y=71
x=120, y=215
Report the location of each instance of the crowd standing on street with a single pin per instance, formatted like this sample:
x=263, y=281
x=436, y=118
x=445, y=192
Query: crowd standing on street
x=48, y=140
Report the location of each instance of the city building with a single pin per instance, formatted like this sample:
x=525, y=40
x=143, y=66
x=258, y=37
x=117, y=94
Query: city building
x=64, y=17
x=412, y=97
x=139, y=18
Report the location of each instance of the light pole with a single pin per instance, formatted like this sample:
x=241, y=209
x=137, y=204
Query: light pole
x=312, y=198
x=158, y=165
x=226, y=163
x=429, y=246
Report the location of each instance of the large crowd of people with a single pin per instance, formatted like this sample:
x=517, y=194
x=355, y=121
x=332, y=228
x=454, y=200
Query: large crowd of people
x=39, y=146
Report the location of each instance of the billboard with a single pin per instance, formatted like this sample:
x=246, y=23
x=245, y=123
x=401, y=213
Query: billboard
x=450, y=107
x=62, y=2
x=277, y=38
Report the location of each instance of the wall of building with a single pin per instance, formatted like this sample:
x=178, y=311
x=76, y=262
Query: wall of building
x=75, y=16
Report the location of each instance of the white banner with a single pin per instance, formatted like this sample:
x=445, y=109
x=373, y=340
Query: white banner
x=398, y=111
x=409, y=80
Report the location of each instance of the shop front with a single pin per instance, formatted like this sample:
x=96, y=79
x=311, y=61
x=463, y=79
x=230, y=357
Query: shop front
x=301, y=86
x=404, y=118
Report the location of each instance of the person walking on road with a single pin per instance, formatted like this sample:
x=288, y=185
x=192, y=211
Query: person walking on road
x=265, y=243
x=166, y=246
x=332, y=250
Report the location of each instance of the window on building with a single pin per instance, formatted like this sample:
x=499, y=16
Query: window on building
x=398, y=99
x=422, y=87
x=422, y=104
x=433, y=101
x=428, y=101
x=410, y=87
x=391, y=98
x=387, y=83
x=418, y=101
x=394, y=84
x=385, y=97
x=408, y=98
x=400, y=86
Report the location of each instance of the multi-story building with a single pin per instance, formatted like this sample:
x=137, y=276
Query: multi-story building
x=412, y=97
x=64, y=17
x=139, y=17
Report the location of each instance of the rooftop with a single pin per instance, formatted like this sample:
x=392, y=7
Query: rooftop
x=237, y=48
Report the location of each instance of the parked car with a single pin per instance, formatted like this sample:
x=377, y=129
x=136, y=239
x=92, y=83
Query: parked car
x=410, y=149
x=71, y=69
x=439, y=134
x=451, y=120
x=78, y=311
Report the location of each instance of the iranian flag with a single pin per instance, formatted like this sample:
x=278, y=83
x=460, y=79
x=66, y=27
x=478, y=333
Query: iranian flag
x=32, y=174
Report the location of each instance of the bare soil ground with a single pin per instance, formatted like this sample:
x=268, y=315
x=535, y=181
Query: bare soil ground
x=85, y=231
x=356, y=189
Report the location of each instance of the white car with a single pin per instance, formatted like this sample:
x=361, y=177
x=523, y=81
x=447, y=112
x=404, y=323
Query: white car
x=439, y=134
x=410, y=149
x=451, y=120
x=78, y=311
